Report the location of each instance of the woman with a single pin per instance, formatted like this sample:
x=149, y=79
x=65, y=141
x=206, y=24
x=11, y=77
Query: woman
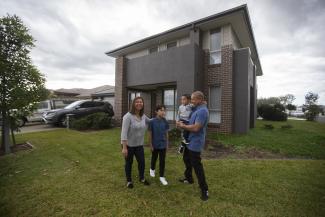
x=134, y=126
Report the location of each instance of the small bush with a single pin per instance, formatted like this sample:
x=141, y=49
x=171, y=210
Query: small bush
x=272, y=112
x=268, y=126
x=94, y=121
x=174, y=135
x=286, y=126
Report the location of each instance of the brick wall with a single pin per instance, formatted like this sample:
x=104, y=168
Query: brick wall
x=121, y=98
x=222, y=76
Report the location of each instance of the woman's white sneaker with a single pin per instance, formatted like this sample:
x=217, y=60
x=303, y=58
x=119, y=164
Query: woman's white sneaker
x=152, y=173
x=163, y=181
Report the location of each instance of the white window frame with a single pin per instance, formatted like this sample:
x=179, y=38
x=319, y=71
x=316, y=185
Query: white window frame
x=215, y=51
x=209, y=104
x=134, y=94
x=152, y=48
x=170, y=43
x=175, y=103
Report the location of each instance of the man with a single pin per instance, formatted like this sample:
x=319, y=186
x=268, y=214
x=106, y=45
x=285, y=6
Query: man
x=192, y=153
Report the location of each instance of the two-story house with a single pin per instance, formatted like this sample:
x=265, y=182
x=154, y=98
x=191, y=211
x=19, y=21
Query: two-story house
x=216, y=55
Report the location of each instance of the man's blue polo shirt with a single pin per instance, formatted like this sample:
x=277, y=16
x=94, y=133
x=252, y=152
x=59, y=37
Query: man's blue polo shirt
x=159, y=127
x=197, y=139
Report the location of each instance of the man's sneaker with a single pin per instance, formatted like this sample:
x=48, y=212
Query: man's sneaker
x=185, y=181
x=204, y=195
x=129, y=185
x=152, y=173
x=163, y=181
x=180, y=149
x=145, y=182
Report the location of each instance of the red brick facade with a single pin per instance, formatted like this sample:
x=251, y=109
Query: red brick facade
x=121, y=97
x=221, y=75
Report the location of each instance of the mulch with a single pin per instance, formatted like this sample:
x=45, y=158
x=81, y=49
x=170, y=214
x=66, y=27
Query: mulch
x=19, y=147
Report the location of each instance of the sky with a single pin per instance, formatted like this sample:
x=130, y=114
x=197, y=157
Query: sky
x=72, y=37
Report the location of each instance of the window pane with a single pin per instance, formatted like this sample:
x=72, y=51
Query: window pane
x=170, y=115
x=215, y=98
x=215, y=57
x=215, y=40
x=169, y=97
x=153, y=50
x=171, y=44
x=43, y=105
x=214, y=117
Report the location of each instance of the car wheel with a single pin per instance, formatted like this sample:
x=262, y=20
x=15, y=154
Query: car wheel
x=63, y=121
x=21, y=122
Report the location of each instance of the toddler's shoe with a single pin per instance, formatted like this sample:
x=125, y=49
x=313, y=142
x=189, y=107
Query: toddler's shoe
x=152, y=173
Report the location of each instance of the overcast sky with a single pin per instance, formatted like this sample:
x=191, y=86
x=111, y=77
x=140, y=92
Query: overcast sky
x=72, y=36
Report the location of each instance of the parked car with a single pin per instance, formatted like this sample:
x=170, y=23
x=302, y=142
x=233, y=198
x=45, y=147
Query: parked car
x=42, y=107
x=78, y=109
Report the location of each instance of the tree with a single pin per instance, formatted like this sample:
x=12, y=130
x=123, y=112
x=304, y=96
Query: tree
x=291, y=107
x=287, y=99
x=311, y=107
x=22, y=85
x=268, y=101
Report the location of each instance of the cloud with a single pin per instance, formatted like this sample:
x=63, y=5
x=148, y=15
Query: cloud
x=72, y=37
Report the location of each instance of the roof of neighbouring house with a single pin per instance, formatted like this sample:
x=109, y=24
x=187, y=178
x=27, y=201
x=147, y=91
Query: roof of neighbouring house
x=107, y=92
x=238, y=17
x=86, y=93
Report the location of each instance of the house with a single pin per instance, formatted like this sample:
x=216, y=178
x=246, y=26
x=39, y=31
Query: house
x=216, y=55
x=105, y=95
x=92, y=93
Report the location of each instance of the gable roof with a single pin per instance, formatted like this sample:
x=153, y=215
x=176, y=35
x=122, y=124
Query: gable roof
x=238, y=17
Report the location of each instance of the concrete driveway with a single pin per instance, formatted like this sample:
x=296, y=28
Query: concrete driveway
x=37, y=127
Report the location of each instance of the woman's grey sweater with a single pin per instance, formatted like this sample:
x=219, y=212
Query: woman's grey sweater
x=133, y=129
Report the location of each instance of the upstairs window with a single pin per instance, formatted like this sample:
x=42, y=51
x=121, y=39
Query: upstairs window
x=153, y=50
x=171, y=44
x=215, y=46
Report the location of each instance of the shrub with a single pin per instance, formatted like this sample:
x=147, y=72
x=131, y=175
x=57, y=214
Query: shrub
x=286, y=126
x=94, y=121
x=272, y=112
x=268, y=126
x=174, y=135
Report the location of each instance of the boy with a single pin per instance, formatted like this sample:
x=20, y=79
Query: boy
x=158, y=140
x=183, y=115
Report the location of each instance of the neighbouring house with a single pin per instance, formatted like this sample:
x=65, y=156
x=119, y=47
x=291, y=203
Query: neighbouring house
x=105, y=95
x=216, y=55
x=92, y=93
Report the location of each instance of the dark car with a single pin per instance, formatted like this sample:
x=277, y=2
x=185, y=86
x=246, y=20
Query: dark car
x=77, y=109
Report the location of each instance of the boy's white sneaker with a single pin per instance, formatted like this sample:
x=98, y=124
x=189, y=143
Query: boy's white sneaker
x=152, y=173
x=163, y=181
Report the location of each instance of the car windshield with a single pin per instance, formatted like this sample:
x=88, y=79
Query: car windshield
x=72, y=105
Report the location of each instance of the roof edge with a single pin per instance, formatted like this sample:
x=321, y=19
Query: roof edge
x=211, y=17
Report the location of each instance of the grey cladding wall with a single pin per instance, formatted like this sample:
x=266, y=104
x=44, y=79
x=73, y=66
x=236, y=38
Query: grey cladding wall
x=180, y=65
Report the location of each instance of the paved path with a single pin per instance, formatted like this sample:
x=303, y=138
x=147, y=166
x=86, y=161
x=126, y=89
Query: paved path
x=320, y=119
x=37, y=127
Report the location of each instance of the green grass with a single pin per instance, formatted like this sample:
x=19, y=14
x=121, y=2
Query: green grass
x=72, y=173
x=305, y=139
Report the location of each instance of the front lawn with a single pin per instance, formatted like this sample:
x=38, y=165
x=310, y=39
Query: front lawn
x=304, y=140
x=72, y=173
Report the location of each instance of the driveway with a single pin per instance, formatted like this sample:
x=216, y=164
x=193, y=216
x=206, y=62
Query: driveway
x=37, y=127
x=320, y=118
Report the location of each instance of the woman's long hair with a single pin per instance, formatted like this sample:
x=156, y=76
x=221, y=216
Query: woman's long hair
x=132, y=109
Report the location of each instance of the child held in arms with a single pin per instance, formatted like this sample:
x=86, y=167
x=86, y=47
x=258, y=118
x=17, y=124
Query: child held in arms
x=183, y=115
